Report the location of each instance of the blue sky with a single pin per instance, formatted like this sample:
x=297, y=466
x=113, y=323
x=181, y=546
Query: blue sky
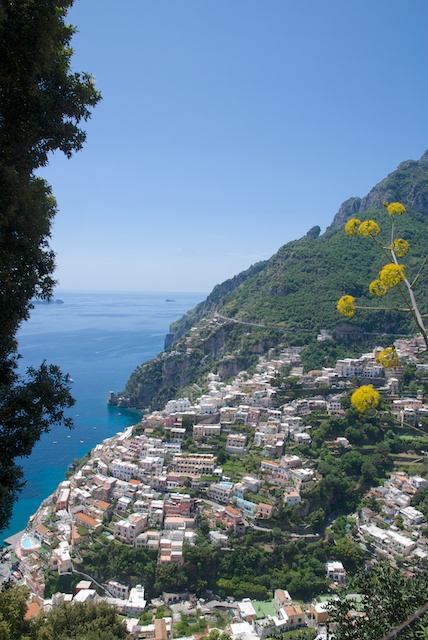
x=228, y=128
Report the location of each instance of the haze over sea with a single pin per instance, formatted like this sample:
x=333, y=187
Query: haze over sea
x=98, y=338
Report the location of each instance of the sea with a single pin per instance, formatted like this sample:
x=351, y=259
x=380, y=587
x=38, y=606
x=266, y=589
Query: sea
x=99, y=339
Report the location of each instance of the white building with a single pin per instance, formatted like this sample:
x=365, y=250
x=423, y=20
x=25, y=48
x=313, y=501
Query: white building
x=118, y=590
x=302, y=478
x=388, y=541
x=291, y=497
x=302, y=438
x=417, y=481
x=60, y=558
x=123, y=470
x=177, y=406
x=412, y=516
x=128, y=530
x=220, y=492
x=336, y=572
x=136, y=603
x=236, y=443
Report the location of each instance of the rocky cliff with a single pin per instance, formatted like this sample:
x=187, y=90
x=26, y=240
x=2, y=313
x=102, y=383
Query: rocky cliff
x=407, y=184
x=183, y=325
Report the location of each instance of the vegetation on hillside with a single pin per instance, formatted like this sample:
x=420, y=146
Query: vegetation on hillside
x=388, y=602
x=289, y=298
x=306, y=275
x=87, y=621
x=259, y=562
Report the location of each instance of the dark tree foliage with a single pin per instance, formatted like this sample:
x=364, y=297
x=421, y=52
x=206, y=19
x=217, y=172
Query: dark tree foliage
x=41, y=105
x=13, y=606
x=82, y=621
x=28, y=408
x=388, y=599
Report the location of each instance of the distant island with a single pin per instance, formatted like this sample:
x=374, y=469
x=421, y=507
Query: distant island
x=37, y=301
x=169, y=300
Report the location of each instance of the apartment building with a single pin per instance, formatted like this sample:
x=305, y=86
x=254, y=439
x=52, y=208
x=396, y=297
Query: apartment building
x=194, y=464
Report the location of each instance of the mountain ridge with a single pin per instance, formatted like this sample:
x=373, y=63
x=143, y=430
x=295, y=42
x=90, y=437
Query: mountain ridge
x=290, y=297
x=403, y=184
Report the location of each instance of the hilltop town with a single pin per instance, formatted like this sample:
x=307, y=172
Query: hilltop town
x=236, y=460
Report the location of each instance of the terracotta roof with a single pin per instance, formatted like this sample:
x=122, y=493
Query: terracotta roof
x=160, y=629
x=102, y=504
x=293, y=609
x=32, y=610
x=41, y=528
x=86, y=519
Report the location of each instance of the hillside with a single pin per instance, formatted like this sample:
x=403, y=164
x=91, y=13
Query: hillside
x=290, y=297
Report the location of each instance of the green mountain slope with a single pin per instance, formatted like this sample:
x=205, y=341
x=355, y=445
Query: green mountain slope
x=289, y=298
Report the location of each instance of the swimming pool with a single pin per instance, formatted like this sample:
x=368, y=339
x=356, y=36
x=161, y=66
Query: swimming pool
x=29, y=543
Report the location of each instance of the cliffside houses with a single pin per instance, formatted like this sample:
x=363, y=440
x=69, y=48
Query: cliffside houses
x=379, y=530
x=133, y=488
x=267, y=619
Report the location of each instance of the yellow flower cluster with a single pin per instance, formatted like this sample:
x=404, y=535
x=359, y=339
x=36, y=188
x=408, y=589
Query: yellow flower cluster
x=388, y=358
x=377, y=288
x=395, y=208
x=351, y=226
x=392, y=274
x=400, y=247
x=368, y=229
x=366, y=397
x=389, y=276
x=346, y=306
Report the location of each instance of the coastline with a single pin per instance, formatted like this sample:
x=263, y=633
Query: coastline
x=98, y=338
x=13, y=540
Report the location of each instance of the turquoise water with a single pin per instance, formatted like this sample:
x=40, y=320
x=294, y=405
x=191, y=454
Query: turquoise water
x=28, y=543
x=98, y=339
